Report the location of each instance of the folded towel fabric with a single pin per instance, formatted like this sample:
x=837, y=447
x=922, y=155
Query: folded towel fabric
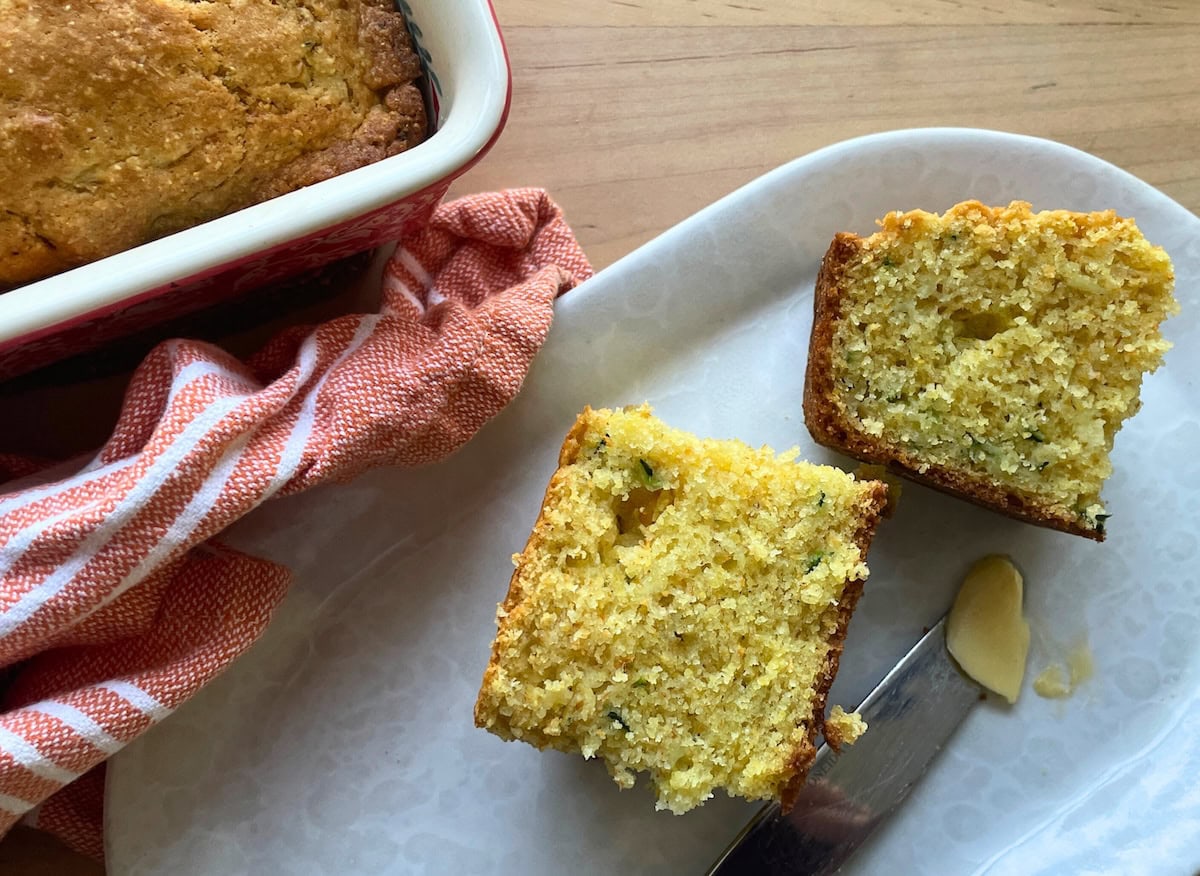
x=116, y=602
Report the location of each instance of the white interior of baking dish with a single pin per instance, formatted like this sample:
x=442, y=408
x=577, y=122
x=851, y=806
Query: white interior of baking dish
x=461, y=44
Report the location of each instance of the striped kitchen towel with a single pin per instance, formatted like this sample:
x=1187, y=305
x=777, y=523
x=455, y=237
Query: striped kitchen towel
x=116, y=602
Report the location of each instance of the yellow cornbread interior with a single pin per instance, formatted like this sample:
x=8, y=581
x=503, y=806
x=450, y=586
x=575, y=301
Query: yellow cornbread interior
x=1004, y=343
x=673, y=609
x=844, y=727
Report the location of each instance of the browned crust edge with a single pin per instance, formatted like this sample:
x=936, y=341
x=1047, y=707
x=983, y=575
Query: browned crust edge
x=569, y=453
x=830, y=428
x=399, y=122
x=804, y=755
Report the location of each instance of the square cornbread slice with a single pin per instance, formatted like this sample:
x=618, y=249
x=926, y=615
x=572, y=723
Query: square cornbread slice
x=680, y=608
x=990, y=352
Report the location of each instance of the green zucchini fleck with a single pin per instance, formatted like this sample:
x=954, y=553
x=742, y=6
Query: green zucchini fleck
x=647, y=477
x=975, y=452
x=814, y=561
x=616, y=716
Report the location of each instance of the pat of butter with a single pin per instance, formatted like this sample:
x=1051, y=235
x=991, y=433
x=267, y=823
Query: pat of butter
x=986, y=632
x=1051, y=682
x=1058, y=682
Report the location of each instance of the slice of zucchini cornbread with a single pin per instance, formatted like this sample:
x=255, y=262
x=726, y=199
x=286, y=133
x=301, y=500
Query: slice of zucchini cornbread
x=992, y=353
x=680, y=609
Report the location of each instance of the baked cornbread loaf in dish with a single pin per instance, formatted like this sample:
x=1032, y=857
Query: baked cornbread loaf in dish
x=679, y=610
x=127, y=120
x=992, y=353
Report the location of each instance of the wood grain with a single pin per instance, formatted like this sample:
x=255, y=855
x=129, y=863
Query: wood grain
x=634, y=128
x=774, y=13
x=637, y=113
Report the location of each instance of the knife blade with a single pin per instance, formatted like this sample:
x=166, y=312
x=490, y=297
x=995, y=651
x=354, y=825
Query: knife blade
x=910, y=717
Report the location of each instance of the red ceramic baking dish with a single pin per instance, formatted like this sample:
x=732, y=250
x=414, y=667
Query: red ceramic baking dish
x=468, y=88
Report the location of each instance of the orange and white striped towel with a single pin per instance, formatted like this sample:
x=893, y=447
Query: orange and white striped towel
x=116, y=605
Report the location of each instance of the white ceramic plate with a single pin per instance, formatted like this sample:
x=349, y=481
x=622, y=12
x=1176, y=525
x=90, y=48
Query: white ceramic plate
x=344, y=742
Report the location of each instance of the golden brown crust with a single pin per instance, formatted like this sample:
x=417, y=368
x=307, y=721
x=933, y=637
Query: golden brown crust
x=396, y=125
x=839, y=623
x=126, y=120
x=569, y=453
x=829, y=427
x=572, y=445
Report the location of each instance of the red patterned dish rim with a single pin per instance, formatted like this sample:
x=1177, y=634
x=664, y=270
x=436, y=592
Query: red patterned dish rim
x=469, y=92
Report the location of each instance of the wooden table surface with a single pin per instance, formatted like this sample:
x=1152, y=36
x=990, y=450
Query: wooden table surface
x=637, y=113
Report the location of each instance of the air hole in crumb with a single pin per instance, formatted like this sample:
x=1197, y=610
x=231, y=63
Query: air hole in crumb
x=637, y=511
x=980, y=326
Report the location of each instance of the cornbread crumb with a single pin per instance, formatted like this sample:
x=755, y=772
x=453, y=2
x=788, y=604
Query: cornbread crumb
x=843, y=728
x=679, y=610
x=870, y=472
x=990, y=352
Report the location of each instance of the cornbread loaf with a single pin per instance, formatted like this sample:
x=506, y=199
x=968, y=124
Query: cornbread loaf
x=126, y=120
x=992, y=353
x=679, y=610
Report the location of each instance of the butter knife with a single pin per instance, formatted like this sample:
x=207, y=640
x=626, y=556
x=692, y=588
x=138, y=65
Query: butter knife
x=910, y=716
